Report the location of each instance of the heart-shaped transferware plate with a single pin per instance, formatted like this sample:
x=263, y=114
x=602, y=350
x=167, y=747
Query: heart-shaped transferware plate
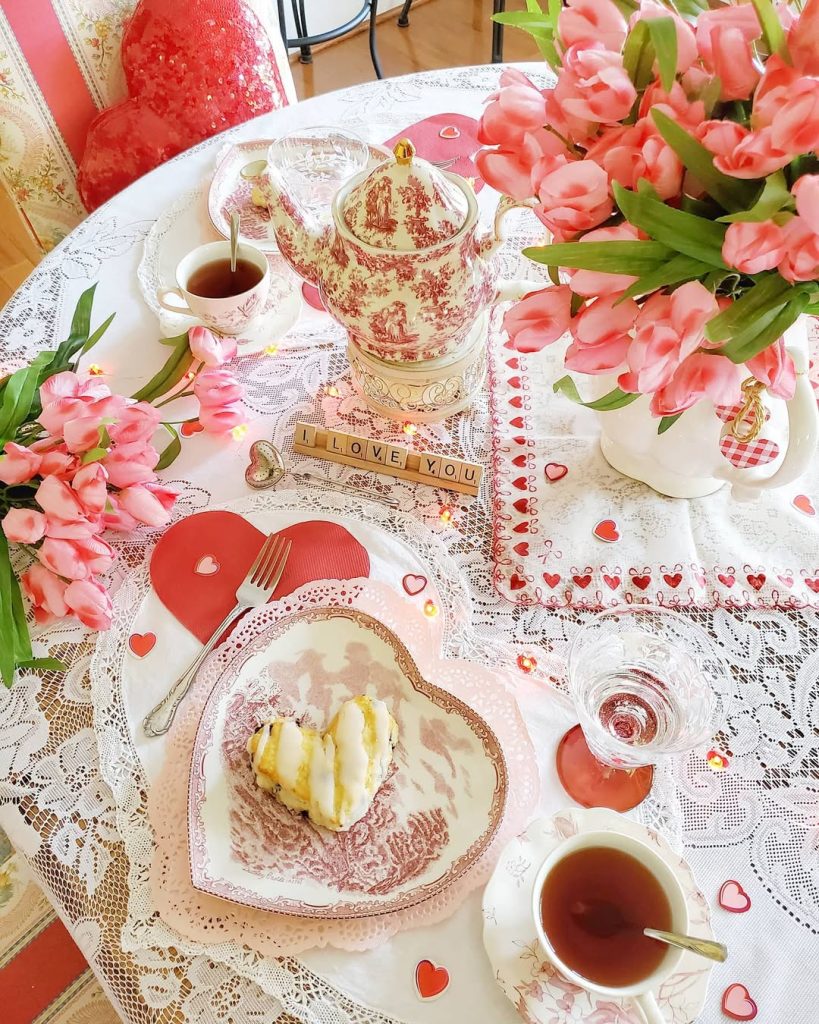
x=430, y=821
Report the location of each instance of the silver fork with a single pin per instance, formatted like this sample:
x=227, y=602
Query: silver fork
x=255, y=590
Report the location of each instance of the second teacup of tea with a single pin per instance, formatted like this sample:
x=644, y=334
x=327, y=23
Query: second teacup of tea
x=223, y=299
x=593, y=896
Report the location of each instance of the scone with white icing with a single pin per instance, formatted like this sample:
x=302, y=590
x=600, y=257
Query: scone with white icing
x=332, y=777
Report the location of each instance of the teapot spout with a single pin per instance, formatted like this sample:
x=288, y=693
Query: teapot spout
x=302, y=240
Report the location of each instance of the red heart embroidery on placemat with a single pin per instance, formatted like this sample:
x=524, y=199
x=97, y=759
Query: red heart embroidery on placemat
x=142, y=643
x=787, y=580
x=552, y=579
x=582, y=581
x=413, y=584
x=516, y=402
x=514, y=382
x=207, y=566
x=803, y=504
x=813, y=584
x=522, y=483
x=522, y=549
x=513, y=363
x=641, y=581
x=757, y=580
x=699, y=578
x=521, y=528
x=607, y=530
x=519, y=439
x=520, y=460
x=430, y=981
x=555, y=471
x=521, y=505
x=737, y=1003
x=733, y=897
x=726, y=579
x=516, y=582
x=673, y=579
x=518, y=423
x=613, y=582
x=321, y=550
x=744, y=455
x=191, y=427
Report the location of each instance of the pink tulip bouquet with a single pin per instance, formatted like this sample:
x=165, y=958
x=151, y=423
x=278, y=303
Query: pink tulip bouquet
x=674, y=163
x=77, y=460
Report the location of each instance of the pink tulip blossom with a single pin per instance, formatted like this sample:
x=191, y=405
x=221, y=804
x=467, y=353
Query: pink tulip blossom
x=773, y=91
x=58, y=501
x=795, y=128
x=222, y=418
x=574, y=197
x=753, y=156
x=70, y=385
x=82, y=434
x=539, y=319
x=632, y=152
x=18, y=464
x=516, y=109
x=135, y=423
x=590, y=21
x=593, y=85
x=774, y=367
x=24, y=525
x=593, y=283
x=686, y=42
x=131, y=464
x=806, y=193
x=148, y=503
x=601, y=333
x=724, y=39
x=90, y=484
x=90, y=602
x=802, y=39
x=79, y=530
x=76, y=559
x=801, y=260
x=752, y=247
x=512, y=170
x=700, y=375
x=58, y=462
x=116, y=518
x=216, y=387
x=46, y=593
x=675, y=104
x=209, y=349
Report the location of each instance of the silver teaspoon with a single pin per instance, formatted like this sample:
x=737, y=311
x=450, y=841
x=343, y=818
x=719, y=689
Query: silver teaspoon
x=702, y=947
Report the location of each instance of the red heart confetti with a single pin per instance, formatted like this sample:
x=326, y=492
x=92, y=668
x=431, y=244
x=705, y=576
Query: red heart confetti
x=607, y=531
x=673, y=580
x=522, y=549
x=803, y=504
x=555, y=471
x=142, y=643
x=450, y=131
x=413, y=584
x=191, y=427
x=757, y=580
x=737, y=1003
x=207, y=566
x=430, y=981
x=733, y=897
x=552, y=579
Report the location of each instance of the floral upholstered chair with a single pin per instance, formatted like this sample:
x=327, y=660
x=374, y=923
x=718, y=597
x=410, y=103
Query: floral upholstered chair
x=59, y=66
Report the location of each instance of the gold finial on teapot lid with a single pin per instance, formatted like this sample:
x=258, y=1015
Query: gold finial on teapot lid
x=404, y=151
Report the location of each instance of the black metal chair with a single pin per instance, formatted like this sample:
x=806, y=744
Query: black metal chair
x=304, y=41
x=498, y=7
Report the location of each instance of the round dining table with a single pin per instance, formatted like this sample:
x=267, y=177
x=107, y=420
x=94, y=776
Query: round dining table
x=71, y=783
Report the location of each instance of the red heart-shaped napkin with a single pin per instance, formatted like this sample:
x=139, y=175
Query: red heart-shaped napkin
x=321, y=550
x=450, y=140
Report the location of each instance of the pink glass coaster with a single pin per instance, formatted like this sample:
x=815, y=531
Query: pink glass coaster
x=594, y=784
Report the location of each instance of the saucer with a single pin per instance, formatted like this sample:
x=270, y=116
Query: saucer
x=539, y=993
x=280, y=313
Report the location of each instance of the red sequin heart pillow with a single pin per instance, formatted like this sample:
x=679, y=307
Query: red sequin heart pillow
x=192, y=69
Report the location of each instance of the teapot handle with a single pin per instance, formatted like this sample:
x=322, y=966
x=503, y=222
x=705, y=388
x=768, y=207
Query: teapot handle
x=803, y=435
x=506, y=290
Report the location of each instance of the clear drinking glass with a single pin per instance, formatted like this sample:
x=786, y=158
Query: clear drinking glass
x=644, y=681
x=314, y=163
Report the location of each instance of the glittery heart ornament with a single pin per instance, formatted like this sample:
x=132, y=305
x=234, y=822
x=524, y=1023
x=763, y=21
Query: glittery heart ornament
x=266, y=465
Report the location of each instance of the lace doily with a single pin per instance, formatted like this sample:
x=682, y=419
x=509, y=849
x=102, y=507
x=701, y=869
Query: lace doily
x=210, y=920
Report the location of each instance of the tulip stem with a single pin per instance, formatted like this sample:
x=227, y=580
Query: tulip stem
x=173, y=398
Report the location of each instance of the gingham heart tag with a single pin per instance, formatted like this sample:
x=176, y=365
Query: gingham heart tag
x=748, y=454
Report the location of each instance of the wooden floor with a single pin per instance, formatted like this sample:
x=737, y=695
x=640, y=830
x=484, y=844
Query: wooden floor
x=442, y=33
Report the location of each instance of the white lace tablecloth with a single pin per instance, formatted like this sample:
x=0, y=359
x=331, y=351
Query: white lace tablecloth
x=756, y=822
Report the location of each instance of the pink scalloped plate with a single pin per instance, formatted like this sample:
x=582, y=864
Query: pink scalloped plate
x=432, y=819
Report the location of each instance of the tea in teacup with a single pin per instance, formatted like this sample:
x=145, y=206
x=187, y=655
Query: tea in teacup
x=215, y=280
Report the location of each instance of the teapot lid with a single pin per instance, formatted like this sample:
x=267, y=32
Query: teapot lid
x=405, y=204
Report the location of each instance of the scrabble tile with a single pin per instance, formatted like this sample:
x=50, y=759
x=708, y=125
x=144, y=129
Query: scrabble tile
x=430, y=465
x=396, y=456
x=305, y=434
x=337, y=442
x=450, y=470
x=470, y=474
x=377, y=451
x=357, y=447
